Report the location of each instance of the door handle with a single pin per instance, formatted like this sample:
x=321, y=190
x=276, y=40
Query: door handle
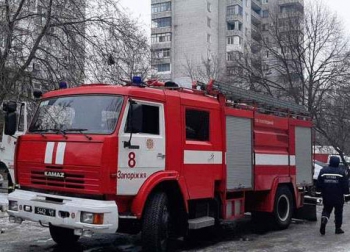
x=160, y=155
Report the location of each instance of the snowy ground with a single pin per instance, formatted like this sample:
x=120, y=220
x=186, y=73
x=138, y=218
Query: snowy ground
x=300, y=237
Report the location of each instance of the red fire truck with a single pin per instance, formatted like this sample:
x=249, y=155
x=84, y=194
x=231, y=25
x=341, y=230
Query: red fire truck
x=161, y=160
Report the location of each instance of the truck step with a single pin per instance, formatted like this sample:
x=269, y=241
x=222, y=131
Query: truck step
x=201, y=222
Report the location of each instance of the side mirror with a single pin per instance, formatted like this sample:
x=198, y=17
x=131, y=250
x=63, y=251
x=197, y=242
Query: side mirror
x=10, y=123
x=10, y=107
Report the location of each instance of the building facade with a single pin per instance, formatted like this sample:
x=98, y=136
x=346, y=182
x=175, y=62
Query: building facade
x=186, y=34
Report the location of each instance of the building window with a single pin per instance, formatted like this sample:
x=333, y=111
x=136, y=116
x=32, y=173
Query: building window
x=160, y=7
x=208, y=38
x=265, y=13
x=209, y=6
x=265, y=67
x=265, y=1
x=2, y=42
x=230, y=26
x=235, y=70
x=163, y=68
x=161, y=22
x=161, y=54
x=197, y=125
x=264, y=27
x=234, y=26
x=209, y=22
x=234, y=10
x=230, y=56
x=234, y=40
x=161, y=37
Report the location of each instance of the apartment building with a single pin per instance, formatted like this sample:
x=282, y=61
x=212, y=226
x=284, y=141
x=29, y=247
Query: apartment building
x=186, y=33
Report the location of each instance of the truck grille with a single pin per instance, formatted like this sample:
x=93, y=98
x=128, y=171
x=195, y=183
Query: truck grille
x=70, y=180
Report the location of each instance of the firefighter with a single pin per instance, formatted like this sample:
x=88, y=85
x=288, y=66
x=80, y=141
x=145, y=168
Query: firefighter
x=333, y=184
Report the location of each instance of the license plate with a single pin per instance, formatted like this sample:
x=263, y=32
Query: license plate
x=45, y=211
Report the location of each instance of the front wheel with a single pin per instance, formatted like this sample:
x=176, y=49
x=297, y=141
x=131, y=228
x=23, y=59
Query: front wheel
x=63, y=236
x=155, y=228
x=283, y=207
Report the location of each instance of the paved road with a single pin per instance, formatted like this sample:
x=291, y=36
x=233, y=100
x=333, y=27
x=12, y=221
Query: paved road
x=300, y=237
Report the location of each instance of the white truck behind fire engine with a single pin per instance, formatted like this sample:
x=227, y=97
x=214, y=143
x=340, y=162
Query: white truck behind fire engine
x=7, y=147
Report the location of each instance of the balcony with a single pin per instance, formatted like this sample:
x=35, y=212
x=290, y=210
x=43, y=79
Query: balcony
x=161, y=14
x=256, y=18
x=160, y=30
x=234, y=2
x=256, y=34
x=234, y=33
x=256, y=5
x=159, y=1
x=234, y=17
x=160, y=45
x=155, y=61
x=290, y=2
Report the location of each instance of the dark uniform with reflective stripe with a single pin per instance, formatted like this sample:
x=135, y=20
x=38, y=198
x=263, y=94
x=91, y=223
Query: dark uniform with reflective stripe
x=333, y=183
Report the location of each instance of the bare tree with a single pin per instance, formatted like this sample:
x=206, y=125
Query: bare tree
x=43, y=42
x=119, y=56
x=303, y=56
x=207, y=68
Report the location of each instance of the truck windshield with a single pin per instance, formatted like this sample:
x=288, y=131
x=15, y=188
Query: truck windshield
x=97, y=114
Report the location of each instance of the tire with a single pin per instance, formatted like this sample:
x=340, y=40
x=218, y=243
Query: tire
x=63, y=236
x=283, y=207
x=155, y=227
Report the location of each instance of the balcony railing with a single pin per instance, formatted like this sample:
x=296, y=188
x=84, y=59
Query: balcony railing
x=285, y=2
x=256, y=4
x=234, y=2
x=234, y=17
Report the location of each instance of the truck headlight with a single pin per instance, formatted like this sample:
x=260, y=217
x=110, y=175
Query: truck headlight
x=13, y=205
x=91, y=218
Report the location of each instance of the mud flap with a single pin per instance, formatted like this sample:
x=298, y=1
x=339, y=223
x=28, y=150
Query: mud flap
x=308, y=211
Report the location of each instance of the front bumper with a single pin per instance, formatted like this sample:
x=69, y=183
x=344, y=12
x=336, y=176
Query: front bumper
x=63, y=205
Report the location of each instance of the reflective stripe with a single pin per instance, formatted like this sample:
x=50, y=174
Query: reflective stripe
x=49, y=152
x=329, y=174
x=202, y=157
x=274, y=159
x=61, y=148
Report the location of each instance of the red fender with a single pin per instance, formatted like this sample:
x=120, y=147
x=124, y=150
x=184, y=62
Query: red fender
x=147, y=187
x=268, y=200
x=277, y=181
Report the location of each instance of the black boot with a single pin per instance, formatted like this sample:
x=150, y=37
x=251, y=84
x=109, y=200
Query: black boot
x=324, y=221
x=339, y=231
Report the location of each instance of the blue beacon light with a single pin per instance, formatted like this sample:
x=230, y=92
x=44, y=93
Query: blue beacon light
x=136, y=81
x=63, y=85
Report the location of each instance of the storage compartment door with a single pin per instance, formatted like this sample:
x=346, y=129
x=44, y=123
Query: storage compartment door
x=239, y=153
x=303, y=155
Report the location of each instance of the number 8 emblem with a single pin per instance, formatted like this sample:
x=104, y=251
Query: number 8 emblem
x=132, y=161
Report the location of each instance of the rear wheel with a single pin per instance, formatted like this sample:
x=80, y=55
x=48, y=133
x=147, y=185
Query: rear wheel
x=155, y=228
x=283, y=207
x=63, y=236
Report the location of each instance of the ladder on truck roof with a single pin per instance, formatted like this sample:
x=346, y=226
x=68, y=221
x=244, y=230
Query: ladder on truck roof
x=240, y=95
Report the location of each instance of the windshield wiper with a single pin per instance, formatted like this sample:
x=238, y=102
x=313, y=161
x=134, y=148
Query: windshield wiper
x=41, y=131
x=78, y=130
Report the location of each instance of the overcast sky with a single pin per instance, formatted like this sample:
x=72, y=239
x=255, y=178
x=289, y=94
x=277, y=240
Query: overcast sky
x=141, y=9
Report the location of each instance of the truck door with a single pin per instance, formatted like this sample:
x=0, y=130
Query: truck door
x=141, y=145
